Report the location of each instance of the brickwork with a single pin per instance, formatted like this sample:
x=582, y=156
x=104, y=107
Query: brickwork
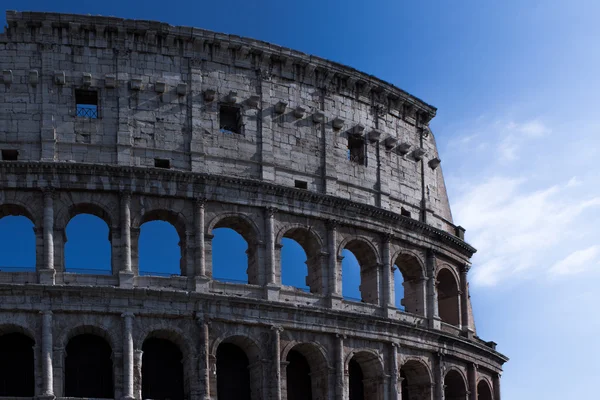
x=157, y=151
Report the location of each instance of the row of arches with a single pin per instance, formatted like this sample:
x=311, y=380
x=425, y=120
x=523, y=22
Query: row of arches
x=237, y=370
x=234, y=251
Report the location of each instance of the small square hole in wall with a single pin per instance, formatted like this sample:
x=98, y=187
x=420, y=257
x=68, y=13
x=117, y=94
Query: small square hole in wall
x=356, y=149
x=10, y=155
x=301, y=184
x=162, y=163
x=404, y=212
x=87, y=103
x=230, y=119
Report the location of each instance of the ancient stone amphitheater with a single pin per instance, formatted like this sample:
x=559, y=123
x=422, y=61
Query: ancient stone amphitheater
x=137, y=121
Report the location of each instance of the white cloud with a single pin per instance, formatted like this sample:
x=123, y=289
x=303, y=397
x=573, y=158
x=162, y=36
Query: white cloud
x=577, y=262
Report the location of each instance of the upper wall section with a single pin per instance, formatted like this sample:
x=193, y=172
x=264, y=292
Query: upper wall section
x=199, y=101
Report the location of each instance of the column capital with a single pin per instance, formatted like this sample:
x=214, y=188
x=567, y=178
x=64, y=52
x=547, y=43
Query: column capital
x=200, y=202
x=202, y=318
x=332, y=223
x=341, y=336
x=270, y=211
x=387, y=237
x=46, y=312
x=49, y=191
x=125, y=194
x=277, y=328
x=128, y=314
x=464, y=269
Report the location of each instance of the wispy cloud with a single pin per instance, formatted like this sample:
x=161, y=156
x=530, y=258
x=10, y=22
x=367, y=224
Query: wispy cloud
x=578, y=261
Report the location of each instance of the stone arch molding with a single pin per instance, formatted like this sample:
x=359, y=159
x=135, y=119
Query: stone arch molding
x=360, y=239
x=317, y=346
x=254, y=234
x=169, y=332
x=412, y=253
x=100, y=330
x=313, y=234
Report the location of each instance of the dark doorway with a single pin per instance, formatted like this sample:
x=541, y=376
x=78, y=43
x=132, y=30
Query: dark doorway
x=299, y=386
x=484, y=392
x=355, y=376
x=233, y=376
x=16, y=368
x=454, y=386
x=88, y=368
x=162, y=370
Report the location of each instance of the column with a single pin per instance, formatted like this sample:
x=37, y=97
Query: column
x=432, y=299
x=270, y=239
x=47, y=273
x=334, y=280
x=47, y=372
x=200, y=254
x=496, y=382
x=276, y=360
x=339, y=369
x=203, y=359
x=126, y=230
x=395, y=380
x=439, y=377
x=472, y=381
x=137, y=367
x=464, y=301
x=128, y=355
x=388, y=294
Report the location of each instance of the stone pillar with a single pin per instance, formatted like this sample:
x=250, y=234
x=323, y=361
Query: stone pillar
x=496, y=383
x=199, y=224
x=137, y=368
x=46, y=275
x=388, y=290
x=472, y=381
x=395, y=380
x=276, y=361
x=270, y=241
x=340, y=370
x=47, y=371
x=335, y=277
x=126, y=274
x=128, y=355
x=438, y=376
x=203, y=359
x=464, y=302
x=432, y=295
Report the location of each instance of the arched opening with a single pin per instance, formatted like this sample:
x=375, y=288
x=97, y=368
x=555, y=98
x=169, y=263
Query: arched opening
x=448, y=297
x=88, y=367
x=235, y=251
x=233, y=373
x=299, y=386
x=416, y=381
x=360, y=270
x=454, y=386
x=365, y=377
x=301, y=260
x=160, y=249
x=17, y=366
x=409, y=285
x=484, y=391
x=162, y=370
x=17, y=240
x=87, y=247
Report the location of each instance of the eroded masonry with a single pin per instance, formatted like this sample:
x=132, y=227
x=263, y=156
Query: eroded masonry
x=137, y=121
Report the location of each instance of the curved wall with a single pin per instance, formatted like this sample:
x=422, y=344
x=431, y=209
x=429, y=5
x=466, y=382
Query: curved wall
x=162, y=95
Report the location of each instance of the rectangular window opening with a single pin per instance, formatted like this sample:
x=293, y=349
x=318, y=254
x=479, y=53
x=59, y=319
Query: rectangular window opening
x=162, y=163
x=230, y=119
x=356, y=149
x=301, y=184
x=10, y=155
x=404, y=212
x=87, y=103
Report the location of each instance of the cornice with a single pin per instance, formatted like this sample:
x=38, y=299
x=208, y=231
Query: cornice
x=200, y=180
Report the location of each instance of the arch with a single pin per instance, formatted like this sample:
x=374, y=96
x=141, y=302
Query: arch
x=237, y=358
x=448, y=297
x=312, y=245
x=80, y=251
x=455, y=385
x=97, y=330
x=17, y=369
x=409, y=279
x=416, y=380
x=162, y=370
x=369, y=264
x=171, y=333
x=247, y=229
x=484, y=390
x=175, y=220
x=366, y=378
x=18, y=249
x=64, y=216
x=307, y=367
x=88, y=367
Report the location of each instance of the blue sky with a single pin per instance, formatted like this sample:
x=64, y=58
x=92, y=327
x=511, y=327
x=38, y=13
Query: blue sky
x=518, y=130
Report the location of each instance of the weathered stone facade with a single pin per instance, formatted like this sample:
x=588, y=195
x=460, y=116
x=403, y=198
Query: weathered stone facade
x=317, y=152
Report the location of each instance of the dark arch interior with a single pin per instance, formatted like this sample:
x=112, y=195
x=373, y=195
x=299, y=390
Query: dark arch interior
x=230, y=256
x=356, y=386
x=88, y=367
x=17, y=367
x=162, y=370
x=299, y=385
x=483, y=391
x=416, y=383
x=88, y=248
x=454, y=386
x=448, y=297
x=159, y=251
x=233, y=375
x=17, y=243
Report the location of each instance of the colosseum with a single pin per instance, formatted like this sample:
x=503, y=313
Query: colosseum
x=138, y=121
